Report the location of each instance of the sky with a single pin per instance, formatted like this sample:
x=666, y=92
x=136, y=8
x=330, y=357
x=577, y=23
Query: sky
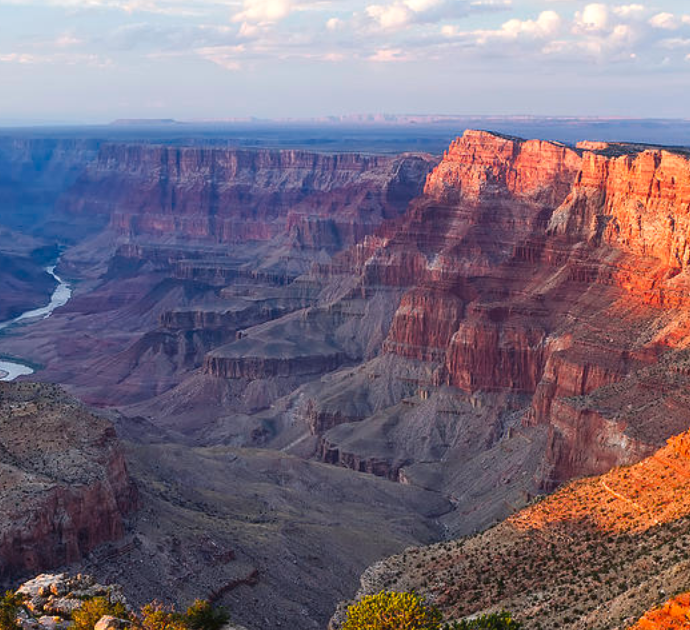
x=91, y=61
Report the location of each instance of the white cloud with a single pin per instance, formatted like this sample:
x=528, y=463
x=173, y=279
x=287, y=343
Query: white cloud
x=24, y=58
x=67, y=59
x=227, y=57
x=401, y=14
x=546, y=26
x=335, y=24
x=392, y=16
x=675, y=43
x=666, y=21
x=593, y=18
x=422, y=5
x=263, y=11
x=67, y=40
x=388, y=55
x=630, y=10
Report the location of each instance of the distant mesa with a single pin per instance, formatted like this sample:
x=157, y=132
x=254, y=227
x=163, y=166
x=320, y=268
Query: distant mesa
x=145, y=121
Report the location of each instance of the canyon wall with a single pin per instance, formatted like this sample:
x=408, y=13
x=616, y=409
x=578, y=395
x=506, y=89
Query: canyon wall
x=550, y=272
x=233, y=195
x=34, y=172
x=65, y=487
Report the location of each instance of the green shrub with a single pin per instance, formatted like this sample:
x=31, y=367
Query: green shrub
x=201, y=615
x=156, y=616
x=392, y=611
x=494, y=621
x=93, y=609
x=9, y=608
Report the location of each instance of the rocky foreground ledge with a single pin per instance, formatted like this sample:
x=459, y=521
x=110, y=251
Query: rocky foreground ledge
x=49, y=601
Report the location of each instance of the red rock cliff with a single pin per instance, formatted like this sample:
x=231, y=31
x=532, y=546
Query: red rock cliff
x=229, y=195
x=65, y=487
x=536, y=268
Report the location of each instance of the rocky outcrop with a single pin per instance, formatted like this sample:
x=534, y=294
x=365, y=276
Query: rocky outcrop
x=64, y=487
x=545, y=271
x=288, y=361
x=231, y=195
x=49, y=600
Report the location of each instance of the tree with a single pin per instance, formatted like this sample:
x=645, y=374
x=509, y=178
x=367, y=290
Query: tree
x=156, y=616
x=91, y=611
x=9, y=608
x=202, y=615
x=392, y=611
x=494, y=621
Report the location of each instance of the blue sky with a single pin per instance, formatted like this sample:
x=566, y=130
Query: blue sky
x=96, y=60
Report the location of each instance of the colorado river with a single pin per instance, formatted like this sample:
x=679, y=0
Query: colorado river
x=9, y=370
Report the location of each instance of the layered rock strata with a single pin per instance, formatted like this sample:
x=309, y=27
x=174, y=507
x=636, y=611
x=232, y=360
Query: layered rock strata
x=226, y=195
x=64, y=487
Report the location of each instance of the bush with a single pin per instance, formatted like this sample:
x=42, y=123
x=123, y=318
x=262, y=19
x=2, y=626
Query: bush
x=9, y=608
x=92, y=610
x=495, y=621
x=392, y=611
x=156, y=616
x=201, y=615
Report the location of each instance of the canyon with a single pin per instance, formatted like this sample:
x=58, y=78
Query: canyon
x=297, y=348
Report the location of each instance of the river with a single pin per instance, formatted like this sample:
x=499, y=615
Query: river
x=9, y=370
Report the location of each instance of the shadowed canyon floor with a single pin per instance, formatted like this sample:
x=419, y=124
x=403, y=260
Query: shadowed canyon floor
x=299, y=349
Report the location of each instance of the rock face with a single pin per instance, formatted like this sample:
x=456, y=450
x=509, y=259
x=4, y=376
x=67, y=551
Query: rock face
x=23, y=284
x=35, y=172
x=596, y=554
x=539, y=270
x=224, y=195
x=673, y=615
x=49, y=600
x=64, y=484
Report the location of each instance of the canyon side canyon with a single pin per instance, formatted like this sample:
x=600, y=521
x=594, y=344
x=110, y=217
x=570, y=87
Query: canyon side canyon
x=278, y=367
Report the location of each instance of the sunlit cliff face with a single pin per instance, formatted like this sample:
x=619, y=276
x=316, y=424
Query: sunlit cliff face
x=673, y=615
x=630, y=499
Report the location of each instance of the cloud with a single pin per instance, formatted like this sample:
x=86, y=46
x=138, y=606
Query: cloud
x=630, y=10
x=388, y=55
x=666, y=21
x=393, y=16
x=263, y=11
x=67, y=40
x=68, y=59
x=593, y=18
x=402, y=14
x=248, y=33
x=227, y=57
x=335, y=24
x=547, y=25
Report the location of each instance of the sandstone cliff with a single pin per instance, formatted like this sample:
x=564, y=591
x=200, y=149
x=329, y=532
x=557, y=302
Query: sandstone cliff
x=65, y=487
x=232, y=195
x=550, y=272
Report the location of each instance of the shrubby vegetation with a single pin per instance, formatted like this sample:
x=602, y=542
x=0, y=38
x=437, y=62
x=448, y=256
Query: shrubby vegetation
x=93, y=609
x=495, y=621
x=9, y=607
x=201, y=615
x=409, y=611
x=392, y=611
